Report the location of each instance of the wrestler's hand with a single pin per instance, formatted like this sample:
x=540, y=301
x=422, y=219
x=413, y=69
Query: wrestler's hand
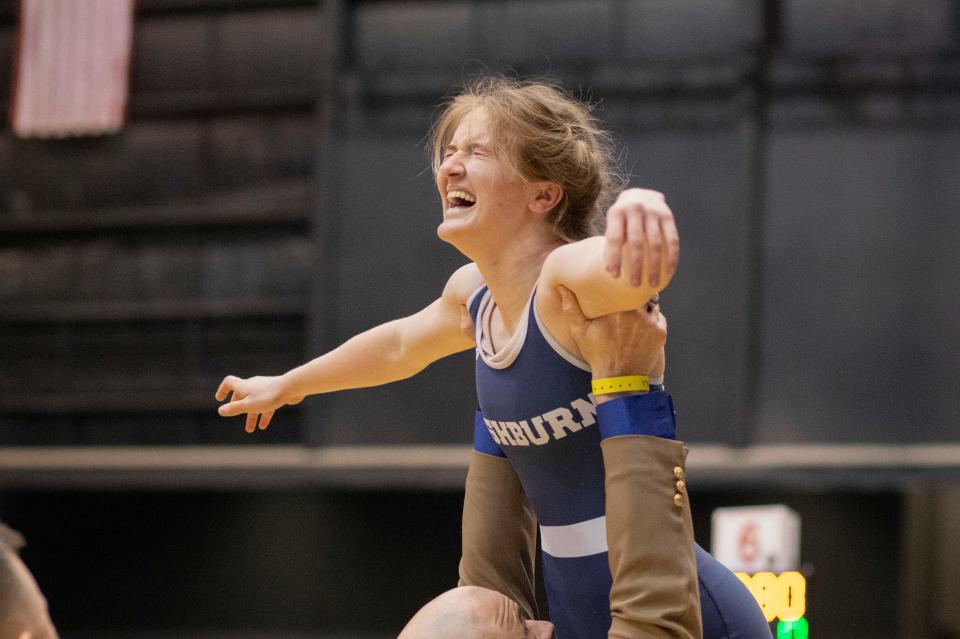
x=258, y=397
x=627, y=343
x=641, y=230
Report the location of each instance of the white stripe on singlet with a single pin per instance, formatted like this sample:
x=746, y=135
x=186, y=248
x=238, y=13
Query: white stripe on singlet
x=576, y=540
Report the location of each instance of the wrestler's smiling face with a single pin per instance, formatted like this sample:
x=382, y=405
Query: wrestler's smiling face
x=483, y=197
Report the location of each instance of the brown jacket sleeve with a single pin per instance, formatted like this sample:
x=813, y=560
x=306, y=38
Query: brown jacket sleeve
x=655, y=591
x=499, y=532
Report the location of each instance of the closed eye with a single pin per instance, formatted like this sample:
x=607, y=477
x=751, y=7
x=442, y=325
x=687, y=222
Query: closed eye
x=480, y=149
x=474, y=148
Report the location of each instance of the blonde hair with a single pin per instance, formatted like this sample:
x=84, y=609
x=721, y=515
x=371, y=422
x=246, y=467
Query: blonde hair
x=547, y=136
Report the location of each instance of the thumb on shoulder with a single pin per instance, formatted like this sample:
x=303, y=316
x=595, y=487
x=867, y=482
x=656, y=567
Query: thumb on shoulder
x=569, y=304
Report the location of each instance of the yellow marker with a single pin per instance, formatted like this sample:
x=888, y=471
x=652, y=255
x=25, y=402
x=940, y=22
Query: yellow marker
x=621, y=384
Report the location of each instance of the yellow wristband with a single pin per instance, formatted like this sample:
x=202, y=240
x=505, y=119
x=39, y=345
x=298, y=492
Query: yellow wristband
x=621, y=384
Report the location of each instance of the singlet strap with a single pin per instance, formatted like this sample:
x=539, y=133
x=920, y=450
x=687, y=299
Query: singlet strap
x=508, y=352
x=554, y=344
x=473, y=302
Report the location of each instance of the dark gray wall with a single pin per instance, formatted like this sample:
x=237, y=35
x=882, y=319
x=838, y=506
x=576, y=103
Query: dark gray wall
x=860, y=334
x=137, y=269
x=268, y=198
x=392, y=264
x=273, y=172
x=707, y=179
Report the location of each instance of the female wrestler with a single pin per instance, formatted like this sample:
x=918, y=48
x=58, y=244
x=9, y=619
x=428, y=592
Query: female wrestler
x=522, y=171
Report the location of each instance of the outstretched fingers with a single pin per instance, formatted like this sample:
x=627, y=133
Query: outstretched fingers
x=233, y=389
x=238, y=404
x=265, y=419
x=228, y=385
x=246, y=396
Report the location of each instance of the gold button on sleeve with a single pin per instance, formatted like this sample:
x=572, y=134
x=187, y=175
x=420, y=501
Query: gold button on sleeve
x=678, y=500
x=678, y=472
x=681, y=485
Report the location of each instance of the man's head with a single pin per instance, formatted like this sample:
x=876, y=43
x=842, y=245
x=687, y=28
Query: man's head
x=473, y=613
x=23, y=608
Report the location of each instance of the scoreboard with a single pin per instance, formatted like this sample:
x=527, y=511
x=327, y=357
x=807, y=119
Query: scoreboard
x=783, y=598
x=762, y=545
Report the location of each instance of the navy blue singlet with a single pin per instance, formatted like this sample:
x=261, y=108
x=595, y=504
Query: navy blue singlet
x=535, y=409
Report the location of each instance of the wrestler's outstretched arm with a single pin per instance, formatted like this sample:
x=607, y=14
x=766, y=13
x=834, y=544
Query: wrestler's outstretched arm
x=655, y=593
x=386, y=353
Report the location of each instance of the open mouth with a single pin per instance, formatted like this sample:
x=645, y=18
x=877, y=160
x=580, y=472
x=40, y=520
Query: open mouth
x=460, y=200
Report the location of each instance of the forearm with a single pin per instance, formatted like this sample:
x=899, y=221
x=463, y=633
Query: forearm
x=372, y=358
x=655, y=592
x=499, y=535
x=383, y=354
x=649, y=529
x=650, y=544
